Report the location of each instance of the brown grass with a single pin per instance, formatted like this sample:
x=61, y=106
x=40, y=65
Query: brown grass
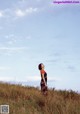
x=29, y=100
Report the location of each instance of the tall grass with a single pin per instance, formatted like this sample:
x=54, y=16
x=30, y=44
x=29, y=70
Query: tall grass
x=29, y=100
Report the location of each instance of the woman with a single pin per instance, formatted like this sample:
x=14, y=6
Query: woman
x=43, y=78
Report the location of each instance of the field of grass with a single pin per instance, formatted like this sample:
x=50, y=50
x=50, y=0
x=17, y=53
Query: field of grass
x=29, y=100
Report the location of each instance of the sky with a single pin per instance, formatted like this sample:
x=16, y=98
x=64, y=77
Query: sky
x=40, y=31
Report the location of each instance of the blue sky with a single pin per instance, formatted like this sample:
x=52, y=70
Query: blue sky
x=39, y=31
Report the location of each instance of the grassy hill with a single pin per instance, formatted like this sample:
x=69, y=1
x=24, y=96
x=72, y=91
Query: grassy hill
x=29, y=100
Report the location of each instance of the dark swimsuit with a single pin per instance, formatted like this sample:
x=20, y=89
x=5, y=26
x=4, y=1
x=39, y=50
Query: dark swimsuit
x=45, y=77
x=43, y=86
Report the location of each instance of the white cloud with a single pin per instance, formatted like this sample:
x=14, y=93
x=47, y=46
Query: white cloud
x=13, y=48
x=31, y=78
x=4, y=68
x=5, y=13
x=20, y=10
x=1, y=14
x=22, y=13
x=10, y=39
x=9, y=36
x=37, y=79
x=6, y=78
x=31, y=10
x=11, y=42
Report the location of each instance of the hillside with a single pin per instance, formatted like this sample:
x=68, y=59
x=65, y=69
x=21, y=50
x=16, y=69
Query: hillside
x=29, y=100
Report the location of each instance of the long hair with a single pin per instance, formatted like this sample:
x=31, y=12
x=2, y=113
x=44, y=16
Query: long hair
x=39, y=66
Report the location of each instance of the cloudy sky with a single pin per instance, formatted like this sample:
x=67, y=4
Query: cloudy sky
x=40, y=31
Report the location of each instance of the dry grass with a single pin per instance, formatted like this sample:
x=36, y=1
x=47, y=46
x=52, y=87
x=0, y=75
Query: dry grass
x=29, y=100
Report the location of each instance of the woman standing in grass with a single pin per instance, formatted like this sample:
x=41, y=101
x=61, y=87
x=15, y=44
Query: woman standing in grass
x=43, y=78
